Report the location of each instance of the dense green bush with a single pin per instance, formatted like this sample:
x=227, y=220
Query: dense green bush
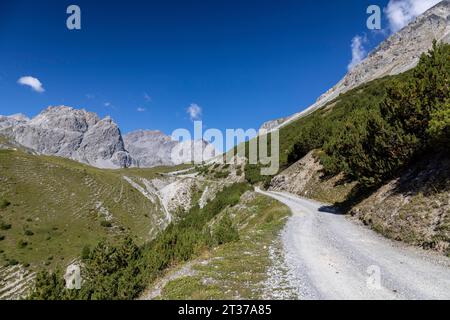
x=5, y=226
x=85, y=253
x=368, y=133
x=22, y=244
x=253, y=175
x=12, y=262
x=325, y=125
x=372, y=131
x=105, y=224
x=439, y=127
x=225, y=231
x=4, y=204
x=320, y=128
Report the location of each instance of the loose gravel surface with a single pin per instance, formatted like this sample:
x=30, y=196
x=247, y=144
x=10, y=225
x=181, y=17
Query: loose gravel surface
x=332, y=257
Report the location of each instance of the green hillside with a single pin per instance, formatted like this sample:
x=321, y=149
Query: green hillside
x=380, y=153
x=371, y=132
x=51, y=208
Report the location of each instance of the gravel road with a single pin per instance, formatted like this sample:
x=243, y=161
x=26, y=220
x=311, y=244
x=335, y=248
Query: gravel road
x=332, y=257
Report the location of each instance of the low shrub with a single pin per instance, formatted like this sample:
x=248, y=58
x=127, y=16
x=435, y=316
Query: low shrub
x=105, y=224
x=221, y=174
x=13, y=262
x=5, y=226
x=225, y=231
x=22, y=244
x=85, y=253
x=4, y=204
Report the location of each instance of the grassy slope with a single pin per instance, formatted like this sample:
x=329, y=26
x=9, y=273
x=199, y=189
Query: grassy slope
x=63, y=203
x=366, y=95
x=237, y=270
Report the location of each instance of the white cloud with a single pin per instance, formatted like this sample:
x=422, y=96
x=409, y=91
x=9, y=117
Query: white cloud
x=141, y=109
x=399, y=13
x=32, y=82
x=358, y=51
x=107, y=104
x=194, y=111
x=402, y=12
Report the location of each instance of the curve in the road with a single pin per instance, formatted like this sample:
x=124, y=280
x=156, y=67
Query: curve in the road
x=332, y=257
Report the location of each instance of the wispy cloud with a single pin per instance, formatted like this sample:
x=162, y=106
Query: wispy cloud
x=194, y=111
x=31, y=82
x=399, y=14
x=402, y=12
x=141, y=109
x=90, y=96
x=147, y=97
x=110, y=105
x=358, y=51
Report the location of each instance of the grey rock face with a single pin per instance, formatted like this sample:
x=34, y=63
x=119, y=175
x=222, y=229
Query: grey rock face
x=399, y=53
x=82, y=136
x=269, y=125
x=70, y=133
x=154, y=148
x=13, y=120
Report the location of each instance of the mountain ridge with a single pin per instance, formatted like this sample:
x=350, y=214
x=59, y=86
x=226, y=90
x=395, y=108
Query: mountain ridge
x=400, y=52
x=82, y=136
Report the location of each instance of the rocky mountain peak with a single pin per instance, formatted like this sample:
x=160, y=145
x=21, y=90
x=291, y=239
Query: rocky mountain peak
x=67, y=118
x=71, y=133
x=397, y=54
x=154, y=148
x=82, y=136
x=19, y=117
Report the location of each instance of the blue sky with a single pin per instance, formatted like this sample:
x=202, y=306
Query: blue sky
x=242, y=62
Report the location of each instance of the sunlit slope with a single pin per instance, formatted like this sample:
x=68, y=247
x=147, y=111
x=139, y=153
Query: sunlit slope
x=50, y=208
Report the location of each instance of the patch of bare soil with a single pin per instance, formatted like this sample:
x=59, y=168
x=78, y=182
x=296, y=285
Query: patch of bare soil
x=305, y=178
x=414, y=208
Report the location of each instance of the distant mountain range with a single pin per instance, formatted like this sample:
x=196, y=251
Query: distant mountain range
x=154, y=148
x=82, y=136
